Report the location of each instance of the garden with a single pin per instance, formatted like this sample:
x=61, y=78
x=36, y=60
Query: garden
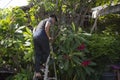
x=79, y=53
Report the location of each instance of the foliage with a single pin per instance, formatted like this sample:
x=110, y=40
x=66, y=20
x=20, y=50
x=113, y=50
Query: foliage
x=104, y=50
x=74, y=51
x=33, y=18
x=105, y=45
x=71, y=11
x=109, y=24
x=71, y=55
x=104, y=2
x=23, y=75
x=102, y=44
x=15, y=40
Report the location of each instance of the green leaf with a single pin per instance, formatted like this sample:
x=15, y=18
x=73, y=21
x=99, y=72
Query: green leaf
x=60, y=57
x=61, y=65
x=89, y=70
x=66, y=65
x=77, y=54
x=73, y=27
x=76, y=59
x=28, y=31
x=93, y=64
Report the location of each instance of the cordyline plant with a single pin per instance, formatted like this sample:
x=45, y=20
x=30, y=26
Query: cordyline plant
x=70, y=55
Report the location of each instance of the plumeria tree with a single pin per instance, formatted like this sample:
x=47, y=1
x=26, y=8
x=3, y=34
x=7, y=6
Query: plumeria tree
x=71, y=54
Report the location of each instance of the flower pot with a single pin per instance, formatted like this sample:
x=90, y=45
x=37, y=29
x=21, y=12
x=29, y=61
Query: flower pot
x=108, y=76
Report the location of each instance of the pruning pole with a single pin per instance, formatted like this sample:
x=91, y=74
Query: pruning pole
x=52, y=51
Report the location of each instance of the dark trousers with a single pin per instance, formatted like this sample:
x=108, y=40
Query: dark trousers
x=41, y=48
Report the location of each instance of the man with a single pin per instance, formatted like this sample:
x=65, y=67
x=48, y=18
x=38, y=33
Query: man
x=41, y=37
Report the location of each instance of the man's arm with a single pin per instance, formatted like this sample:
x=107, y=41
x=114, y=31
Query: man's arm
x=47, y=29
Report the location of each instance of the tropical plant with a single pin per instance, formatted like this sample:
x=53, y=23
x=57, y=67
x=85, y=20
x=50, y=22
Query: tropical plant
x=104, y=50
x=15, y=40
x=70, y=54
x=109, y=24
x=105, y=44
x=23, y=75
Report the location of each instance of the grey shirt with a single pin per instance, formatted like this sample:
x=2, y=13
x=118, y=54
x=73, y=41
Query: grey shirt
x=41, y=27
x=42, y=24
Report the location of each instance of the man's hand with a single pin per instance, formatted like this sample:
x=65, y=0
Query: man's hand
x=51, y=39
x=47, y=28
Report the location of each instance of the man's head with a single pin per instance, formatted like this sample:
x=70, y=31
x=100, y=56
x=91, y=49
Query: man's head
x=53, y=17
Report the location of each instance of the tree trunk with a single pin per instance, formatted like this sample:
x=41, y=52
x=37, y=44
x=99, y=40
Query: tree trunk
x=83, y=16
x=95, y=24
